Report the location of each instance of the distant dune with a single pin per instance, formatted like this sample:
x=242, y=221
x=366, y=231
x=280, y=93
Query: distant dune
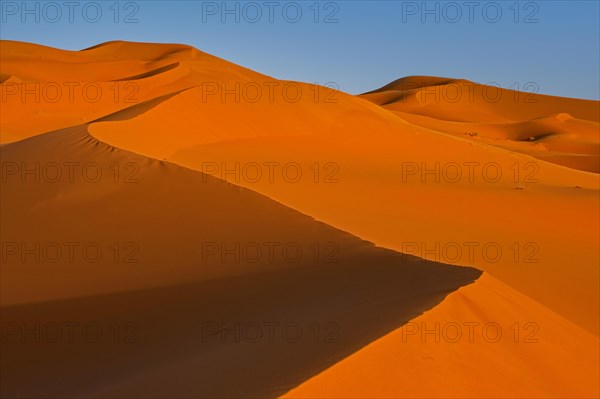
x=559, y=130
x=430, y=200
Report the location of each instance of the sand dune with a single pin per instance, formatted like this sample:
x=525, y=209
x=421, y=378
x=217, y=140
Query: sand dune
x=439, y=95
x=95, y=82
x=377, y=163
x=168, y=284
x=558, y=130
x=195, y=150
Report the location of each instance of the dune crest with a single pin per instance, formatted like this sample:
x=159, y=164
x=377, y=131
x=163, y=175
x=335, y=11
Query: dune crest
x=163, y=266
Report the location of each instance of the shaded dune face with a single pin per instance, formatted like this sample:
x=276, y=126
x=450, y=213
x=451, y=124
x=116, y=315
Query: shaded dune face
x=170, y=293
x=118, y=213
x=525, y=353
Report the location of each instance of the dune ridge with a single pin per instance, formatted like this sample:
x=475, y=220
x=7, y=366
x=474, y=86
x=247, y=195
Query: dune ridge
x=171, y=285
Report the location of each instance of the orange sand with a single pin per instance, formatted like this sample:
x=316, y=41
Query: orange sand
x=174, y=112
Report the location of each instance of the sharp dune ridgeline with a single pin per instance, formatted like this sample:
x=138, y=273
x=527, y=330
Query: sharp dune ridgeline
x=435, y=237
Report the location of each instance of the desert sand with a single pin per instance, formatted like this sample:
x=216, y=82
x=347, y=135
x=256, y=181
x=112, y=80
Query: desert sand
x=411, y=206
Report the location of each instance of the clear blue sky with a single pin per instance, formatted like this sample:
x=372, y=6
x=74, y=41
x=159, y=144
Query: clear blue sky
x=359, y=45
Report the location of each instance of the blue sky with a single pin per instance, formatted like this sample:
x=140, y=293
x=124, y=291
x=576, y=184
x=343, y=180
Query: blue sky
x=358, y=45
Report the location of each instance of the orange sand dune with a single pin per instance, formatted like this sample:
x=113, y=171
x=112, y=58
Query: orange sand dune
x=508, y=186
x=558, y=130
x=439, y=96
x=376, y=162
x=149, y=270
x=49, y=89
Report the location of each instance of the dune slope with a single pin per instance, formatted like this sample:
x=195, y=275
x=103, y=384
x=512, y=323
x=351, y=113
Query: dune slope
x=125, y=256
